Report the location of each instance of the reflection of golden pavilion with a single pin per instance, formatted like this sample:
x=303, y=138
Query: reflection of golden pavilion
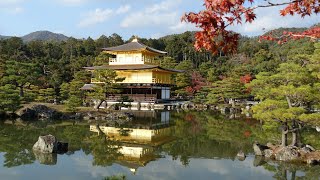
x=151, y=137
x=138, y=144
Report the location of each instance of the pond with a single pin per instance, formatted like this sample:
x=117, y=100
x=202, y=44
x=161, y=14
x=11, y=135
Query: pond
x=153, y=145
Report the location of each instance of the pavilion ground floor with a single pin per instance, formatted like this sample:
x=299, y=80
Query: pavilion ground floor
x=149, y=94
x=142, y=93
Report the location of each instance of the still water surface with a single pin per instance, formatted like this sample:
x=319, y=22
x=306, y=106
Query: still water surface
x=153, y=145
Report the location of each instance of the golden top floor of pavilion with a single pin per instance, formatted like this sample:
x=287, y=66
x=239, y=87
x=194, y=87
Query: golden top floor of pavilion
x=144, y=80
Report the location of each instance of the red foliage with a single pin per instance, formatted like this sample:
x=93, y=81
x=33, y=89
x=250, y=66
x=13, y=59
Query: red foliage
x=246, y=79
x=197, y=82
x=312, y=33
x=189, y=117
x=247, y=133
x=195, y=124
x=219, y=14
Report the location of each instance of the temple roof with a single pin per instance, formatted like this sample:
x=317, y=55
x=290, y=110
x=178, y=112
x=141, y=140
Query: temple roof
x=131, y=67
x=133, y=46
x=88, y=87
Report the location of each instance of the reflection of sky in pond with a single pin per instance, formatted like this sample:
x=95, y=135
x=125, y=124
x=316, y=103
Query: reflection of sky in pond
x=79, y=166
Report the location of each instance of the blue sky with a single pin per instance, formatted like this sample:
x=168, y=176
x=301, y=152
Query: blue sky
x=145, y=18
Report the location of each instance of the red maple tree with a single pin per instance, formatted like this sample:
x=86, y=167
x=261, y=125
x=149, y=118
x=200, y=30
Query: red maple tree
x=197, y=82
x=246, y=79
x=219, y=14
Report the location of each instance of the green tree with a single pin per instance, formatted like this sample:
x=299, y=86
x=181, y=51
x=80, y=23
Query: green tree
x=287, y=97
x=227, y=89
x=73, y=102
x=46, y=95
x=168, y=62
x=21, y=75
x=9, y=99
x=108, y=85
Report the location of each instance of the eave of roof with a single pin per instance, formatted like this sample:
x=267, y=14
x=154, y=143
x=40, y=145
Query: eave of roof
x=88, y=87
x=132, y=67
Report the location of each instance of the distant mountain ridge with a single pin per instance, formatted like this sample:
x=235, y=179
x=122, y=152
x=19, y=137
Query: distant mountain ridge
x=44, y=36
x=41, y=36
x=4, y=37
x=50, y=36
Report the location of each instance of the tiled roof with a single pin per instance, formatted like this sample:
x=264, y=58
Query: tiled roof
x=133, y=46
x=87, y=87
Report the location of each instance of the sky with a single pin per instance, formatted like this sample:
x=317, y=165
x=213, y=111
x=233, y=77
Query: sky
x=144, y=18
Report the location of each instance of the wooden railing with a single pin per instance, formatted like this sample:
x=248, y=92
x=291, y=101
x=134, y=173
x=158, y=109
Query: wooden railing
x=155, y=80
x=147, y=81
x=135, y=97
x=111, y=60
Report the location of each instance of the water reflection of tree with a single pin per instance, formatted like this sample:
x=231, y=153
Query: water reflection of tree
x=210, y=135
x=105, y=152
x=284, y=171
x=16, y=141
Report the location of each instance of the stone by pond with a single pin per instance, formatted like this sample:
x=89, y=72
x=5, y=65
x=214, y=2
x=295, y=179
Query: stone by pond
x=305, y=154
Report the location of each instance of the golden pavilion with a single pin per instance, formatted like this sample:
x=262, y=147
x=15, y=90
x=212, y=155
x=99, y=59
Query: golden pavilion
x=145, y=81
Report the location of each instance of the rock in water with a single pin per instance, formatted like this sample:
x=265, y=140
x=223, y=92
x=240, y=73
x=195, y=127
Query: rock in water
x=46, y=158
x=288, y=153
x=241, y=156
x=50, y=144
x=259, y=149
x=268, y=153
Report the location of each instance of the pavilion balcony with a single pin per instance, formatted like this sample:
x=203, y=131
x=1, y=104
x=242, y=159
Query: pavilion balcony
x=141, y=60
x=146, y=81
x=150, y=98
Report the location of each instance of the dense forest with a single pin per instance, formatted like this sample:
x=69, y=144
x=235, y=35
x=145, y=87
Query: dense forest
x=52, y=71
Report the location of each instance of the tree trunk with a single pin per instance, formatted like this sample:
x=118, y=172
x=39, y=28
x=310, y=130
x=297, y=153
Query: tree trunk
x=284, y=135
x=293, y=175
x=21, y=92
x=100, y=132
x=294, y=138
x=294, y=133
x=289, y=102
x=284, y=173
x=99, y=104
x=299, y=143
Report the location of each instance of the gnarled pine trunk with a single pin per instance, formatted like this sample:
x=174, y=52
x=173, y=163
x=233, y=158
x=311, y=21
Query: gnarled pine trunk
x=284, y=137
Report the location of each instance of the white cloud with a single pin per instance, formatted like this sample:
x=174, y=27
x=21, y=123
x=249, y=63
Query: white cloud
x=161, y=14
x=162, y=18
x=11, y=6
x=166, y=5
x=95, y=17
x=73, y=2
x=123, y=9
x=140, y=19
x=9, y=2
x=101, y=15
x=182, y=27
x=16, y=10
x=269, y=18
